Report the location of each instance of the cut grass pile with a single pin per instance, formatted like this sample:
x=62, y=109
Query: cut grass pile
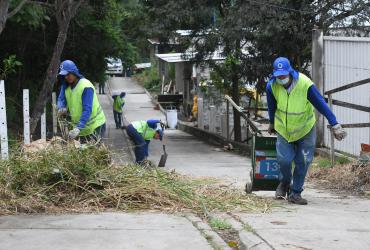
x=343, y=177
x=66, y=179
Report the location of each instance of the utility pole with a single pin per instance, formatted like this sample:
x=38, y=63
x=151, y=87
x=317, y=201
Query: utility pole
x=318, y=78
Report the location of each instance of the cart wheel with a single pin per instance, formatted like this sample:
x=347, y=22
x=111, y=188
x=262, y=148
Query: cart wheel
x=248, y=188
x=249, y=185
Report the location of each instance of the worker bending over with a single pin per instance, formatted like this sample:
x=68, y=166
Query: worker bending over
x=291, y=98
x=118, y=103
x=141, y=133
x=78, y=97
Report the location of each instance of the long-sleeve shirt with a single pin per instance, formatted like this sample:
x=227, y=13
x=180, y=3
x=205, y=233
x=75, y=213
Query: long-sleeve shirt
x=153, y=123
x=313, y=96
x=87, y=102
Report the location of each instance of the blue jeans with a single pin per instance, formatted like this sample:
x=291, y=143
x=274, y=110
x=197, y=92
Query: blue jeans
x=300, y=152
x=141, y=145
x=117, y=118
x=94, y=137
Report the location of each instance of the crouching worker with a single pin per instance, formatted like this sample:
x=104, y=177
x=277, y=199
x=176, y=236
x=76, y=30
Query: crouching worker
x=118, y=104
x=141, y=132
x=87, y=116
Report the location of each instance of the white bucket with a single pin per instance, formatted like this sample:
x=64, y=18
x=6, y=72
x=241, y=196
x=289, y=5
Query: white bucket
x=171, y=116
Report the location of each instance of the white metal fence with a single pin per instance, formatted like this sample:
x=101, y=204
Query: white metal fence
x=26, y=120
x=346, y=60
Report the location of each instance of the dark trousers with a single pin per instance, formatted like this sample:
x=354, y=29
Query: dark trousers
x=141, y=146
x=101, y=88
x=117, y=118
x=94, y=137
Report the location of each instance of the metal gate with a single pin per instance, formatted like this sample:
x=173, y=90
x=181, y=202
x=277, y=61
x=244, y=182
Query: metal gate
x=347, y=60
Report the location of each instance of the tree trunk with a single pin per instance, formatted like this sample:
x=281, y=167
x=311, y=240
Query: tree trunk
x=50, y=77
x=66, y=10
x=4, y=6
x=236, y=99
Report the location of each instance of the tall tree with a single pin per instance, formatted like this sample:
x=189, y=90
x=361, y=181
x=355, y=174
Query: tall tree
x=252, y=33
x=4, y=11
x=65, y=11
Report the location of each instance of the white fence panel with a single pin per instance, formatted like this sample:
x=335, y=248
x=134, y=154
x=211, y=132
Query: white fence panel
x=3, y=123
x=26, y=117
x=347, y=60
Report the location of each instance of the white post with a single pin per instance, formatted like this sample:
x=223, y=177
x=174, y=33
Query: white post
x=224, y=121
x=200, y=114
x=3, y=123
x=54, y=108
x=212, y=119
x=43, y=125
x=332, y=152
x=26, y=117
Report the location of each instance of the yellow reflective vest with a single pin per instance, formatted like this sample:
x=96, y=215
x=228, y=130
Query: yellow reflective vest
x=144, y=130
x=74, y=104
x=294, y=115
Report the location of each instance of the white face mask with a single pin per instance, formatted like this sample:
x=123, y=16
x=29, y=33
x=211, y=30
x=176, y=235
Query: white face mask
x=282, y=81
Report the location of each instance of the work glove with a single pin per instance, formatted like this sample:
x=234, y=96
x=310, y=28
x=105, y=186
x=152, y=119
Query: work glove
x=73, y=133
x=339, y=132
x=62, y=112
x=271, y=129
x=163, y=124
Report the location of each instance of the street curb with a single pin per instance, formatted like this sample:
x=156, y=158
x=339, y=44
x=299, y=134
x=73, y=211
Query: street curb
x=211, y=236
x=249, y=240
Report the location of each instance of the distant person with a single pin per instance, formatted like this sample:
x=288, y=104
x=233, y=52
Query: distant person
x=128, y=72
x=141, y=133
x=194, y=110
x=291, y=98
x=101, y=88
x=118, y=103
x=78, y=97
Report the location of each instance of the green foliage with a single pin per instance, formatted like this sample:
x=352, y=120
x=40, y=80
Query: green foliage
x=219, y=224
x=10, y=65
x=32, y=16
x=324, y=162
x=109, y=28
x=150, y=79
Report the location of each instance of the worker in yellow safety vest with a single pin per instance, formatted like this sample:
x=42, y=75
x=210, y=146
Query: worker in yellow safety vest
x=141, y=133
x=118, y=103
x=78, y=97
x=291, y=98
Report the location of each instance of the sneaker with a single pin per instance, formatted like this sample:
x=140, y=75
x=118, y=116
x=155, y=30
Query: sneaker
x=297, y=199
x=282, y=190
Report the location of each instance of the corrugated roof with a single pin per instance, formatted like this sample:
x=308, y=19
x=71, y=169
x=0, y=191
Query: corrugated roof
x=143, y=65
x=186, y=57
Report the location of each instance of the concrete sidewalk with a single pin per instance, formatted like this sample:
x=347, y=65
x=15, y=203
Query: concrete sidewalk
x=104, y=231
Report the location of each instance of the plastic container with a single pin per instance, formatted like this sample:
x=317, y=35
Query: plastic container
x=171, y=116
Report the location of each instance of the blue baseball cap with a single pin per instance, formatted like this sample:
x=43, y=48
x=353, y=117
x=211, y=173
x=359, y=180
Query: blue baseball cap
x=67, y=67
x=282, y=67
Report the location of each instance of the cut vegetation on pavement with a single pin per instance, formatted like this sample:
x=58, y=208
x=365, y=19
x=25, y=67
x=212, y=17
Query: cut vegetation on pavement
x=63, y=178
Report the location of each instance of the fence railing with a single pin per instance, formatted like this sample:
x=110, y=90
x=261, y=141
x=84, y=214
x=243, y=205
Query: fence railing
x=243, y=114
x=332, y=102
x=26, y=120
